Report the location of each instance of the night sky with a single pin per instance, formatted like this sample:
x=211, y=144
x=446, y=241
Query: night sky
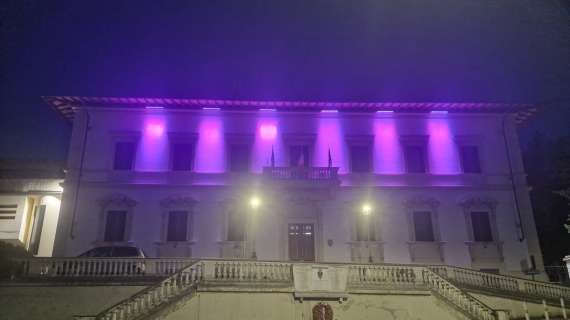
x=404, y=50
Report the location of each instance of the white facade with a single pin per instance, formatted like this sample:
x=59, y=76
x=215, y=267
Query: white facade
x=329, y=205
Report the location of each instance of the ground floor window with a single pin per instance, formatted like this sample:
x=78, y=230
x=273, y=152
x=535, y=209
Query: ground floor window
x=115, y=225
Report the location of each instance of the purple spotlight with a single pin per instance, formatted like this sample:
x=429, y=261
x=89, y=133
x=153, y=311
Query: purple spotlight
x=211, y=109
x=329, y=111
x=154, y=107
x=385, y=111
x=439, y=112
x=268, y=131
x=267, y=110
x=154, y=129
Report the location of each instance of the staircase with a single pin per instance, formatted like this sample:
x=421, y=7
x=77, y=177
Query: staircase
x=446, y=283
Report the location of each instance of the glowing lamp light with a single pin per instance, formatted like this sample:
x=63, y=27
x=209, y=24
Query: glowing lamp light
x=154, y=107
x=439, y=112
x=329, y=111
x=268, y=131
x=385, y=111
x=267, y=110
x=254, y=202
x=155, y=129
x=366, y=209
x=211, y=109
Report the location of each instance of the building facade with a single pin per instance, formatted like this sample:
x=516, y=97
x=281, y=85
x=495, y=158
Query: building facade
x=30, y=196
x=299, y=181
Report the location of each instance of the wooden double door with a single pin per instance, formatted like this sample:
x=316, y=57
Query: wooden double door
x=301, y=242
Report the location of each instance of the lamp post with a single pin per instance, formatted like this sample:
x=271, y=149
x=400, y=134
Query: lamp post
x=254, y=203
x=366, y=212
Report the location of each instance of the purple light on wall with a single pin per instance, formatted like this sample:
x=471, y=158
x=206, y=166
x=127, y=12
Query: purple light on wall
x=210, y=149
x=387, y=154
x=266, y=137
x=329, y=111
x=153, y=147
x=268, y=131
x=442, y=151
x=330, y=135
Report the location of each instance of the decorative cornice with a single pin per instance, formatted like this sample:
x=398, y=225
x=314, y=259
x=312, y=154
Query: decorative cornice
x=479, y=202
x=421, y=201
x=119, y=200
x=178, y=201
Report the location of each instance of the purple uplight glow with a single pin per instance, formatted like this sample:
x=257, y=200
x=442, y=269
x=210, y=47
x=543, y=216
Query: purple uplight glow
x=153, y=148
x=210, y=150
x=154, y=129
x=329, y=111
x=385, y=111
x=267, y=110
x=330, y=136
x=443, y=158
x=439, y=112
x=266, y=138
x=154, y=107
x=211, y=109
x=388, y=157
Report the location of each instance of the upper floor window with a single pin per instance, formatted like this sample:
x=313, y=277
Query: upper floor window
x=469, y=156
x=239, y=155
x=236, y=227
x=481, y=224
x=365, y=228
x=177, y=226
x=124, y=155
x=115, y=225
x=299, y=156
x=182, y=156
x=423, y=226
x=360, y=159
x=415, y=157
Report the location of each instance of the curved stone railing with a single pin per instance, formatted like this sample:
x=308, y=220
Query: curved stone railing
x=506, y=284
x=457, y=297
x=101, y=267
x=410, y=277
x=154, y=296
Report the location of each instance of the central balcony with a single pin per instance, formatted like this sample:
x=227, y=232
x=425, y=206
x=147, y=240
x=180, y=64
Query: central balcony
x=301, y=173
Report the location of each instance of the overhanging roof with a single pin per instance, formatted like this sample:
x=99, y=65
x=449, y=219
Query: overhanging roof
x=66, y=105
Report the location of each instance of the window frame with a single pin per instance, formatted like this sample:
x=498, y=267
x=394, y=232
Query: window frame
x=245, y=140
x=306, y=140
x=430, y=205
x=420, y=141
x=124, y=136
x=178, y=203
x=470, y=141
x=116, y=202
x=366, y=141
x=182, y=138
x=477, y=204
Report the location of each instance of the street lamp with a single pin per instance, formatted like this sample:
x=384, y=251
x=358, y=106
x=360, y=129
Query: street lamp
x=366, y=210
x=255, y=203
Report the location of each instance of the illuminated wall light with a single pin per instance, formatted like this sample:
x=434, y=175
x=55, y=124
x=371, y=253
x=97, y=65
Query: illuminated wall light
x=154, y=129
x=439, y=112
x=154, y=107
x=268, y=131
x=385, y=111
x=211, y=109
x=267, y=110
x=329, y=111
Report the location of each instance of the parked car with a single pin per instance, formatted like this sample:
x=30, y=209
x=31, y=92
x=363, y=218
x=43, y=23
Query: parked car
x=114, y=266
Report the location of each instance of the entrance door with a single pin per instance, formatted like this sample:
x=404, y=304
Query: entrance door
x=301, y=242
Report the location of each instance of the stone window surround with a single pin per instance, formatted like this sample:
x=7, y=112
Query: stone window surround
x=416, y=140
x=424, y=204
x=480, y=204
x=116, y=202
x=362, y=141
x=123, y=136
x=238, y=139
x=299, y=139
x=182, y=137
x=470, y=140
x=177, y=203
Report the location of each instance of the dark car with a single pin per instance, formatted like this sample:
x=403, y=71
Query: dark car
x=115, y=261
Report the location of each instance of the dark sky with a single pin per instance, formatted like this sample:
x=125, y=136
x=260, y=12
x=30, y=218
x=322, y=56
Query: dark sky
x=365, y=50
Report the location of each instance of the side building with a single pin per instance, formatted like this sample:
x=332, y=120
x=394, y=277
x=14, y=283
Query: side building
x=30, y=196
x=418, y=183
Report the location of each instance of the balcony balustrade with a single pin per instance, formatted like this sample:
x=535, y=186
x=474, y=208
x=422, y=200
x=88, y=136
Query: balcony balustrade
x=301, y=173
